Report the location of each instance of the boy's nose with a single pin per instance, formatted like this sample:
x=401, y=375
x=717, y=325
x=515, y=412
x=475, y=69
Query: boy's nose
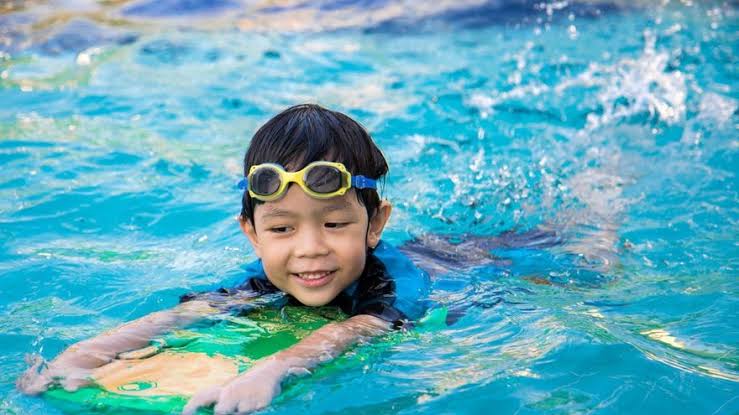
x=311, y=243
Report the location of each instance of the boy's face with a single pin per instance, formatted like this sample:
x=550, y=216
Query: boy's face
x=313, y=249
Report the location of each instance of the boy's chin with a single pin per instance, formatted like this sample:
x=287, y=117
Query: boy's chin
x=314, y=299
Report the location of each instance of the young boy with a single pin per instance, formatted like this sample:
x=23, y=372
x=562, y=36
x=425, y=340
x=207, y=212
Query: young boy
x=312, y=213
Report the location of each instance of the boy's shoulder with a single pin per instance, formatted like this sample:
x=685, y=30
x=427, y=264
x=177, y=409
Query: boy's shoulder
x=412, y=284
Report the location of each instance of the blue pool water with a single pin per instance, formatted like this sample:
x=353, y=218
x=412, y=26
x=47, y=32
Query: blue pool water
x=122, y=126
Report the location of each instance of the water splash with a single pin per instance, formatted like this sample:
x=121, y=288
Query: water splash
x=635, y=86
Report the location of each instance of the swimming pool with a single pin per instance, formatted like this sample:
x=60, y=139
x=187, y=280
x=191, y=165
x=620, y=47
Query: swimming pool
x=122, y=126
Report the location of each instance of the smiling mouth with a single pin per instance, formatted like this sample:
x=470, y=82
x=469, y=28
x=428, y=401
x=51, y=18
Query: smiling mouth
x=315, y=278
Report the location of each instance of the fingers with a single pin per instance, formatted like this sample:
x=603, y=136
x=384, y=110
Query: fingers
x=235, y=401
x=33, y=383
x=241, y=407
x=35, y=379
x=225, y=406
x=243, y=394
x=203, y=398
x=73, y=383
x=228, y=403
x=249, y=406
x=34, y=360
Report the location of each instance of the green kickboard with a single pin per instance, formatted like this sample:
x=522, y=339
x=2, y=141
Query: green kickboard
x=235, y=342
x=154, y=384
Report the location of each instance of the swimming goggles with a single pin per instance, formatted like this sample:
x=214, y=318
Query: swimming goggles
x=320, y=179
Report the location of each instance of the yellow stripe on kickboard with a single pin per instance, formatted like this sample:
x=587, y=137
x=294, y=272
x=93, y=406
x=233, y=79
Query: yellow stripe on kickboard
x=166, y=373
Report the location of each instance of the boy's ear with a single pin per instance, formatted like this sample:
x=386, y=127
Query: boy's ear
x=248, y=228
x=377, y=223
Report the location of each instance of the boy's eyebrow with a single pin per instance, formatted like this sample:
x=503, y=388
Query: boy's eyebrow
x=281, y=213
x=337, y=205
x=277, y=213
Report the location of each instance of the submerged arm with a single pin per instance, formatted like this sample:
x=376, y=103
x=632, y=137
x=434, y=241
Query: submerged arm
x=330, y=341
x=136, y=334
x=256, y=388
x=72, y=367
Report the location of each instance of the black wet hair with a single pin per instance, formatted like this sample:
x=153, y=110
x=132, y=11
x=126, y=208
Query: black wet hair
x=306, y=133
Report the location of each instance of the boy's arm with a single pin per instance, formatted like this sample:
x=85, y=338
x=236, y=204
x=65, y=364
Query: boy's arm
x=257, y=387
x=72, y=368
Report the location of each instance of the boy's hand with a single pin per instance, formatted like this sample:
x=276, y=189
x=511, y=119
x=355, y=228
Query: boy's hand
x=37, y=378
x=71, y=369
x=248, y=392
x=256, y=388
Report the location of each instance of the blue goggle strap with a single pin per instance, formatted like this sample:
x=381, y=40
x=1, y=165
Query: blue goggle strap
x=361, y=182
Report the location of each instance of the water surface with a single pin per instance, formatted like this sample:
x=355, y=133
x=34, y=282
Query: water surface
x=123, y=124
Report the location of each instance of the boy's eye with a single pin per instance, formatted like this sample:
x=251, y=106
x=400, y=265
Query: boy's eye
x=334, y=225
x=279, y=229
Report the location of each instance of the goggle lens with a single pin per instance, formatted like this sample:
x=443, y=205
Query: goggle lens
x=324, y=179
x=264, y=181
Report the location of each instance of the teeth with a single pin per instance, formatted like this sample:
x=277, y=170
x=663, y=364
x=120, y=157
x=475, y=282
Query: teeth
x=312, y=275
